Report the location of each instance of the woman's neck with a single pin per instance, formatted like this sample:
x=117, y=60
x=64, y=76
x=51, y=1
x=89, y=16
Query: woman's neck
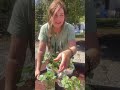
x=57, y=30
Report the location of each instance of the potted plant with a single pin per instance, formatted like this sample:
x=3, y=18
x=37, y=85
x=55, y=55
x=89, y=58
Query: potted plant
x=54, y=66
x=51, y=76
x=72, y=83
x=48, y=79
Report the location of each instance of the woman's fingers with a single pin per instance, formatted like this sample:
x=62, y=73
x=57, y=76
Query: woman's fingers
x=63, y=63
x=37, y=73
x=61, y=68
x=37, y=76
x=58, y=57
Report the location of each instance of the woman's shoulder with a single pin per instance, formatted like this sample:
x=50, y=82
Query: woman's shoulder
x=69, y=26
x=44, y=25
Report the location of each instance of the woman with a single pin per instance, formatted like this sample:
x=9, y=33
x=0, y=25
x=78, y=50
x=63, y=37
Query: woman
x=57, y=35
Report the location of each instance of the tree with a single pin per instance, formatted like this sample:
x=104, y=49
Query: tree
x=75, y=10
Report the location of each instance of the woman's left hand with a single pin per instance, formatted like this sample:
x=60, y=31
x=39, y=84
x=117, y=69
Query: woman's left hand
x=65, y=59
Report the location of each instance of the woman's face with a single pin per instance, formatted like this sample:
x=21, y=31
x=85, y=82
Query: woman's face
x=58, y=18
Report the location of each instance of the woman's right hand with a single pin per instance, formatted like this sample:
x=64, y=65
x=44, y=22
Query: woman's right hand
x=37, y=73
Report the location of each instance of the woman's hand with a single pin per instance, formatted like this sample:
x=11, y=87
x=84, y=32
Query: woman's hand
x=37, y=73
x=65, y=59
x=66, y=55
x=40, y=54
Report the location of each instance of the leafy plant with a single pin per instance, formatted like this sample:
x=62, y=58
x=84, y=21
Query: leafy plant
x=72, y=83
x=54, y=66
x=49, y=79
x=63, y=80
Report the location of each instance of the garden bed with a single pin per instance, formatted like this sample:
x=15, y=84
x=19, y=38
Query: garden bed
x=79, y=73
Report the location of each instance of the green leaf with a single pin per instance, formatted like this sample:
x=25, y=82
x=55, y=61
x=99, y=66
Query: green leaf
x=73, y=78
x=54, y=77
x=66, y=86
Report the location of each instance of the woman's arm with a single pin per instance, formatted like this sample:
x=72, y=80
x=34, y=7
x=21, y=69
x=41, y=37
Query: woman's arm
x=40, y=55
x=72, y=47
x=66, y=55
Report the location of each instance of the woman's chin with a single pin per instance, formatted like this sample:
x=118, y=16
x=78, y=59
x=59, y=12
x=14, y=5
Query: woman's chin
x=58, y=26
